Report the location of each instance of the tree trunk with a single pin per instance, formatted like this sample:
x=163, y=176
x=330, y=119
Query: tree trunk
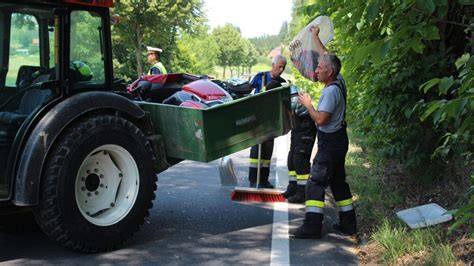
x=138, y=50
x=223, y=73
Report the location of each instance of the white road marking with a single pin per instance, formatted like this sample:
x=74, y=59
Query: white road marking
x=280, y=250
x=280, y=253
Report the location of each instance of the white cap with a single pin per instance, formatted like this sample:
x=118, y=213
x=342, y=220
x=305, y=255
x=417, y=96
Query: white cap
x=154, y=49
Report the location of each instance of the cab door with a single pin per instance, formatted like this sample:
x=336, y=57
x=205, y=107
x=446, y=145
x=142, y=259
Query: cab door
x=28, y=55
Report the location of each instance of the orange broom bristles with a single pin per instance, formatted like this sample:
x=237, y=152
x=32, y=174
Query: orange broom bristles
x=256, y=196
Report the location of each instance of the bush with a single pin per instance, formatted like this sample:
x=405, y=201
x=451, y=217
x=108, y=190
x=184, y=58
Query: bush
x=389, y=49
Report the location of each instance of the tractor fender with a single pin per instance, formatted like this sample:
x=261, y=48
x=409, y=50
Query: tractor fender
x=49, y=127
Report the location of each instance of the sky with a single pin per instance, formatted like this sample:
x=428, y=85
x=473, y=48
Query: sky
x=253, y=17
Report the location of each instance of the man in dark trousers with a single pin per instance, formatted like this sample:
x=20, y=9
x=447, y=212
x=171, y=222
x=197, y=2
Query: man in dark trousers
x=260, y=83
x=303, y=136
x=328, y=165
x=303, y=133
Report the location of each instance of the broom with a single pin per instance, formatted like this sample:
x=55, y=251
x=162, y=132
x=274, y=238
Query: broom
x=257, y=194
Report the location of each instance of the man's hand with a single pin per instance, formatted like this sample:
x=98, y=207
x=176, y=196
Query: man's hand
x=320, y=49
x=315, y=32
x=304, y=99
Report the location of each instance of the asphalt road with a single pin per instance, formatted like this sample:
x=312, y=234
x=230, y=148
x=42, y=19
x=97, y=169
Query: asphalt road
x=193, y=221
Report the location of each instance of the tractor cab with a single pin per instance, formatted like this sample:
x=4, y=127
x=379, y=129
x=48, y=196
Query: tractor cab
x=48, y=51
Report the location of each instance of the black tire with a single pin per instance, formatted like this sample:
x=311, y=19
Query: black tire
x=58, y=213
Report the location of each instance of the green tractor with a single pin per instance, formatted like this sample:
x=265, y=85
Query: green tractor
x=83, y=156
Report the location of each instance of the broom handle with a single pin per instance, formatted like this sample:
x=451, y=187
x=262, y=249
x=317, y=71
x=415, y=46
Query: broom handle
x=258, y=163
x=260, y=145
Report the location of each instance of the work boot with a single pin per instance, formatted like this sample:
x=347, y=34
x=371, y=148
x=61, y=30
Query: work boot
x=290, y=190
x=300, y=195
x=347, y=223
x=311, y=228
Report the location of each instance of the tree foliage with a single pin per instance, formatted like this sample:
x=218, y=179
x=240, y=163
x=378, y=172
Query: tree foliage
x=196, y=54
x=454, y=113
x=25, y=29
x=266, y=43
x=150, y=23
x=85, y=41
x=234, y=50
x=250, y=56
x=389, y=49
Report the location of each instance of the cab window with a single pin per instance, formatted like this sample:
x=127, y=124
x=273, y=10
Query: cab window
x=28, y=60
x=24, y=45
x=87, y=60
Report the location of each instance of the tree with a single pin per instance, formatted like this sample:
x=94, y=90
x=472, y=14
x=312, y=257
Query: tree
x=196, y=53
x=265, y=43
x=283, y=35
x=250, y=56
x=150, y=23
x=230, y=45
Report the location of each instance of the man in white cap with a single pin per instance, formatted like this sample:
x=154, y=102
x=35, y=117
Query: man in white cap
x=153, y=58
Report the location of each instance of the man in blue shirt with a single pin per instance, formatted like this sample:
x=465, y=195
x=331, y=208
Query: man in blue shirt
x=328, y=165
x=261, y=82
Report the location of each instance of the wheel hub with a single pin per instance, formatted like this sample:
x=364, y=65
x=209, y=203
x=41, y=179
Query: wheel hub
x=107, y=185
x=92, y=182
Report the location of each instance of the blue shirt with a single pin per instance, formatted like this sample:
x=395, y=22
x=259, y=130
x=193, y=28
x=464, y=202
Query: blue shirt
x=257, y=81
x=332, y=101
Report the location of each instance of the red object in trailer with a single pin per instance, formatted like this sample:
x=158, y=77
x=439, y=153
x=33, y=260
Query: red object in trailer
x=207, y=90
x=169, y=89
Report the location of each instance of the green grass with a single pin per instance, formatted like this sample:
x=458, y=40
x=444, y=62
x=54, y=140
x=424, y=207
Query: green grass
x=375, y=206
x=374, y=200
x=16, y=61
x=443, y=255
x=397, y=241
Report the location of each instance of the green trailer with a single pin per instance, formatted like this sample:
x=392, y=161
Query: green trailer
x=207, y=134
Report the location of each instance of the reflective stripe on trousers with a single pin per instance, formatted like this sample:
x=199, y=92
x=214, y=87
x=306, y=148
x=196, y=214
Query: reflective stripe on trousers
x=315, y=206
x=291, y=175
x=263, y=163
x=302, y=179
x=345, y=205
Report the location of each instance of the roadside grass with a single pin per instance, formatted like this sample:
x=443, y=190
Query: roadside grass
x=400, y=245
x=376, y=203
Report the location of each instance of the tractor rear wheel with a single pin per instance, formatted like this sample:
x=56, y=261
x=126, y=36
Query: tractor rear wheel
x=98, y=184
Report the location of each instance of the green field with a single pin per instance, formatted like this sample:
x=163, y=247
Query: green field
x=15, y=62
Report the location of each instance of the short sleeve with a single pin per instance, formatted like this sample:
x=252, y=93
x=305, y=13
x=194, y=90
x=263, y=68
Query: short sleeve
x=328, y=100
